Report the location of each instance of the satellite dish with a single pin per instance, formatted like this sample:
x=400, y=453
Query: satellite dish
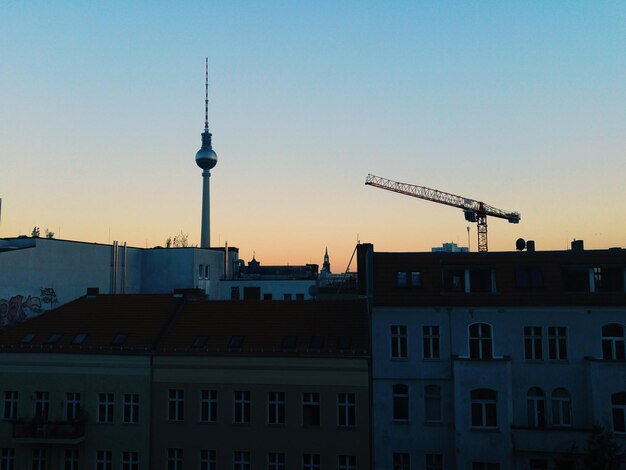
x=520, y=244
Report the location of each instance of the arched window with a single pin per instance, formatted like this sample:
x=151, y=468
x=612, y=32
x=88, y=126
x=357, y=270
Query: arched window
x=618, y=405
x=613, y=342
x=480, y=341
x=561, y=408
x=432, y=402
x=484, y=411
x=400, y=402
x=536, y=408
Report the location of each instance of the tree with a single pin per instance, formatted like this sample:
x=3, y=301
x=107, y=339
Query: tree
x=178, y=241
x=35, y=232
x=603, y=451
x=49, y=234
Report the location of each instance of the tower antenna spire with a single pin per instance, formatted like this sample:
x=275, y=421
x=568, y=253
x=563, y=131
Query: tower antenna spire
x=206, y=95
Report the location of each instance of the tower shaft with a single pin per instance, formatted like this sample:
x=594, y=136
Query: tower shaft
x=205, y=234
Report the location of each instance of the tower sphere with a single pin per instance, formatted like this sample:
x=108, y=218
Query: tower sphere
x=206, y=158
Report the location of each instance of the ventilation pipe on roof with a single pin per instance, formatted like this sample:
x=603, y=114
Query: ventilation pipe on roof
x=114, y=267
x=226, y=260
x=124, y=252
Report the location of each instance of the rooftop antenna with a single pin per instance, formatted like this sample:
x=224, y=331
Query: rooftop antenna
x=206, y=95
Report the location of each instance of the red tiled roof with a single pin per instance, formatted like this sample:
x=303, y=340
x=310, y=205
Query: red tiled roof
x=163, y=324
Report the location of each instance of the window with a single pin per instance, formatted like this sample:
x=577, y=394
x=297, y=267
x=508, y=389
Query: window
x=7, y=458
x=398, y=342
x=208, y=459
x=613, y=343
x=401, y=279
x=276, y=408
x=234, y=293
x=71, y=459
x=561, y=408
x=42, y=401
x=535, y=400
x=120, y=339
x=533, y=343
x=104, y=460
x=199, y=341
x=242, y=407
x=400, y=402
x=344, y=342
x=72, y=405
x=208, y=406
x=286, y=296
x=480, y=341
x=79, y=338
x=618, y=405
x=207, y=271
x=174, y=459
x=28, y=337
x=131, y=408
x=289, y=342
x=251, y=293
x=347, y=462
x=401, y=461
x=608, y=279
x=317, y=342
x=105, y=407
x=311, y=409
x=130, y=461
x=484, y=413
x=485, y=466
x=529, y=279
x=54, y=338
x=432, y=402
x=454, y=280
x=235, y=342
x=176, y=405
x=576, y=279
x=40, y=459
x=299, y=296
x=276, y=461
x=557, y=343
x=430, y=339
x=434, y=462
x=10, y=405
x=480, y=280
x=346, y=409
x=409, y=279
x=311, y=462
x=241, y=460
x=200, y=271
x=267, y=296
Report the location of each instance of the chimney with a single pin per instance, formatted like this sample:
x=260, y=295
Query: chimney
x=530, y=245
x=578, y=245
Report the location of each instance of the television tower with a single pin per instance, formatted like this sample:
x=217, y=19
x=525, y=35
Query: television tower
x=206, y=159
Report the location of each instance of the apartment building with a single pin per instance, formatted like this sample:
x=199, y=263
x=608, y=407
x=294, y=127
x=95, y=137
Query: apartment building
x=494, y=360
x=167, y=382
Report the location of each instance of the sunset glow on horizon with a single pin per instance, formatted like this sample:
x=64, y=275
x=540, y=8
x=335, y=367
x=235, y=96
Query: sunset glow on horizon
x=521, y=105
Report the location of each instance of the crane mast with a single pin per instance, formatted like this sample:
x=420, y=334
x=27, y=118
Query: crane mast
x=474, y=211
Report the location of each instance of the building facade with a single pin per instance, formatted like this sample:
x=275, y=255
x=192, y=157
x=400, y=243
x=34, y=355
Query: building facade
x=494, y=360
x=170, y=382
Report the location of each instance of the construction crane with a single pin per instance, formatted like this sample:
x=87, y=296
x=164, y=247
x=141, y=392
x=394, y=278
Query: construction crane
x=475, y=211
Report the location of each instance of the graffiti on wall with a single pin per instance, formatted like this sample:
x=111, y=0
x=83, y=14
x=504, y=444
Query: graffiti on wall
x=19, y=307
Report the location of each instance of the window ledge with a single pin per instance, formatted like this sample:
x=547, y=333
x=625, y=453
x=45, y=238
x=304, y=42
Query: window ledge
x=399, y=359
x=401, y=422
x=436, y=424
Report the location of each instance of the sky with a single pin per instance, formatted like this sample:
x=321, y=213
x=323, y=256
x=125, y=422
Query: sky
x=521, y=105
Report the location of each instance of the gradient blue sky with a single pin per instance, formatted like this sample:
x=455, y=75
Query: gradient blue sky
x=519, y=104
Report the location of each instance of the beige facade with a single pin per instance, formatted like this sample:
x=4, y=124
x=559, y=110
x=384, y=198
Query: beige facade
x=73, y=384
x=233, y=436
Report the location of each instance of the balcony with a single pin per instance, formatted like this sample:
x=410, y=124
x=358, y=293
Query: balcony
x=58, y=432
x=566, y=441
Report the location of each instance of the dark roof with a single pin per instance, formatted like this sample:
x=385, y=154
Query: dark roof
x=553, y=266
x=165, y=324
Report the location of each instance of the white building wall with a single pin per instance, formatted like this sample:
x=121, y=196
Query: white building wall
x=590, y=383
x=277, y=288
